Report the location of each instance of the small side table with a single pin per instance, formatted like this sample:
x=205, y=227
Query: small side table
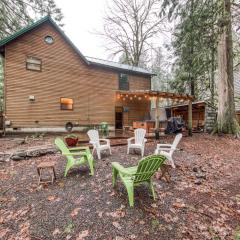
x=46, y=167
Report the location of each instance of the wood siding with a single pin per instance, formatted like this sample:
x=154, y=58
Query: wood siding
x=64, y=74
x=137, y=110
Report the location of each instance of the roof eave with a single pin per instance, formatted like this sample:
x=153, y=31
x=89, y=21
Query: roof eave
x=21, y=32
x=120, y=69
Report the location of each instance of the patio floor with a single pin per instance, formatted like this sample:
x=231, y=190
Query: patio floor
x=84, y=207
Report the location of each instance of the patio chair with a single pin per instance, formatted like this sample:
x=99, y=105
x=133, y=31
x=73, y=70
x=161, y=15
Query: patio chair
x=134, y=176
x=139, y=140
x=75, y=156
x=168, y=149
x=96, y=142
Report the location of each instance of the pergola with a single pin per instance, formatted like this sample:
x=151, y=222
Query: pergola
x=159, y=96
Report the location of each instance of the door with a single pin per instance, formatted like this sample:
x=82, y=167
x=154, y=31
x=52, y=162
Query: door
x=119, y=117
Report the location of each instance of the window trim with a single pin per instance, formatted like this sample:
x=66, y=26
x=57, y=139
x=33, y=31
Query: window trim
x=35, y=70
x=48, y=36
x=62, y=103
x=119, y=77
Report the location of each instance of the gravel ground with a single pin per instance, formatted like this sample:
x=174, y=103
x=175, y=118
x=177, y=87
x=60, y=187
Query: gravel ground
x=81, y=206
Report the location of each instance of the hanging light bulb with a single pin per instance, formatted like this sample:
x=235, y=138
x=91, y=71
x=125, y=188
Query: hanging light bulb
x=139, y=98
x=135, y=96
x=145, y=96
x=131, y=98
x=126, y=96
x=124, y=99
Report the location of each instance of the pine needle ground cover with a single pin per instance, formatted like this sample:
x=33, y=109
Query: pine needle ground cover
x=202, y=201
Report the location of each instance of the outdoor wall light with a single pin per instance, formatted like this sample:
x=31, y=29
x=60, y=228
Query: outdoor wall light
x=7, y=123
x=31, y=98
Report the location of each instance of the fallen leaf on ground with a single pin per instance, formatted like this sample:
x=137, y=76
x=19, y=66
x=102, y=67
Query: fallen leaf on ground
x=75, y=212
x=179, y=204
x=51, y=198
x=116, y=225
x=116, y=214
x=154, y=205
x=3, y=232
x=100, y=214
x=56, y=232
x=82, y=235
x=69, y=228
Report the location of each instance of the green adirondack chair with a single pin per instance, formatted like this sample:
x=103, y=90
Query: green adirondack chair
x=142, y=173
x=75, y=156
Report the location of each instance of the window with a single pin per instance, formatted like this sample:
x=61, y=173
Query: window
x=34, y=64
x=123, y=82
x=66, y=103
x=49, y=40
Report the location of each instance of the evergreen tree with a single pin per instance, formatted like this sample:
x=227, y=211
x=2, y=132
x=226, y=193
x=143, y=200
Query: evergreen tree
x=15, y=14
x=203, y=43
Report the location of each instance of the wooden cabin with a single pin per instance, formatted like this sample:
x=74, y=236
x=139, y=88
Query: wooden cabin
x=48, y=83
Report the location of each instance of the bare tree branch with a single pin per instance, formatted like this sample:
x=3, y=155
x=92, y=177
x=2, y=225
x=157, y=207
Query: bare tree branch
x=129, y=26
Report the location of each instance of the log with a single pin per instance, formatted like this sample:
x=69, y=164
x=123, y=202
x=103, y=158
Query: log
x=28, y=153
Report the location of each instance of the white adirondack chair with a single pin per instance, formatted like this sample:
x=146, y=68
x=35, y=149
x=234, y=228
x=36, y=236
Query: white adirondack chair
x=168, y=149
x=96, y=142
x=139, y=140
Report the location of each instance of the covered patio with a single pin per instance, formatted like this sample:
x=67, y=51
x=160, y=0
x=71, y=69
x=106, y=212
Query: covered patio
x=126, y=98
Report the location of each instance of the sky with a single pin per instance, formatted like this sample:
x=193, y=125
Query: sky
x=82, y=18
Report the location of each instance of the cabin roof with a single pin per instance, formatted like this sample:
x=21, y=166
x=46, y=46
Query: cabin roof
x=117, y=66
x=88, y=60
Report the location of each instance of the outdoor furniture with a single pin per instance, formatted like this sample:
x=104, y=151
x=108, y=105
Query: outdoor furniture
x=147, y=125
x=168, y=149
x=96, y=142
x=134, y=176
x=126, y=128
x=139, y=140
x=104, y=128
x=75, y=156
x=46, y=167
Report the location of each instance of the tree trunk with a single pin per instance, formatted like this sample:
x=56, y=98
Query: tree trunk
x=212, y=77
x=226, y=120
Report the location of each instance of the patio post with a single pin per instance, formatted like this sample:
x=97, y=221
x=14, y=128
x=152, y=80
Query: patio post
x=190, y=118
x=157, y=113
